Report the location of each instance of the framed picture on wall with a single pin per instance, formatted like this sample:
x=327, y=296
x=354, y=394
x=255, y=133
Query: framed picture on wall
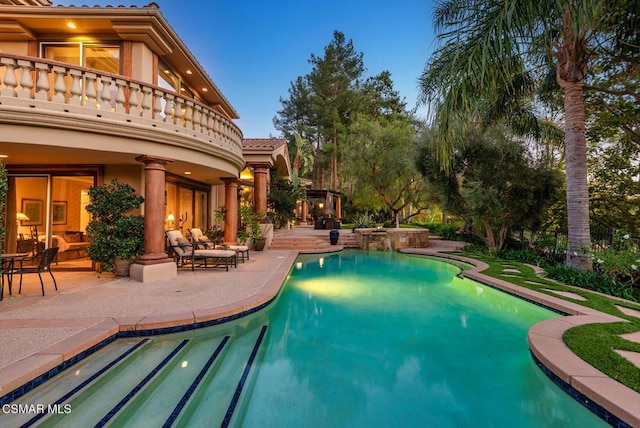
x=59, y=212
x=32, y=208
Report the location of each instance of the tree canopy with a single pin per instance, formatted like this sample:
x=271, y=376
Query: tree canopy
x=493, y=47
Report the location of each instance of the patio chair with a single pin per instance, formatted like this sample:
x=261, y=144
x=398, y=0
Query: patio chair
x=38, y=263
x=185, y=252
x=200, y=240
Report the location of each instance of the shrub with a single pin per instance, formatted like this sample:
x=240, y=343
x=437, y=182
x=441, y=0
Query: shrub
x=590, y=280
x=448, y=232
x=363, y=221
x=112, y=232
x=608, y=277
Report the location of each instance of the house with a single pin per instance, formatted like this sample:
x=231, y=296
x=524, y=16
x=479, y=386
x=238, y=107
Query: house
x=88, y=94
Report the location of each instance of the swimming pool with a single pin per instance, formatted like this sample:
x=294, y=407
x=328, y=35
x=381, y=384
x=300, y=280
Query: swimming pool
x=354, y=339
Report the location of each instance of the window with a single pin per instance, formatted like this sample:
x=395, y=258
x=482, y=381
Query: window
x=167, y=79
x=103, y=57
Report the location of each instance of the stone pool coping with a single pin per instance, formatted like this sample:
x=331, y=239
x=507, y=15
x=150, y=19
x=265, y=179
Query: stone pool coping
x=547, y=346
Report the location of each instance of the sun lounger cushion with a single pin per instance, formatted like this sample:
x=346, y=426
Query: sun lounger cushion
x=214, y=253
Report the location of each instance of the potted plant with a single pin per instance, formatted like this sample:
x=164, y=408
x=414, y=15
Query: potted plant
x=257, y=231
x=114, y=234
x=258, y=235
x=215, y=235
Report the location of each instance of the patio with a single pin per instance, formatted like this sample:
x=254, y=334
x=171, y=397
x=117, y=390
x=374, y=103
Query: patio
x=38, y=333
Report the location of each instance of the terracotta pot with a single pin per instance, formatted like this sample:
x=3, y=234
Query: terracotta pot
x=121, y=266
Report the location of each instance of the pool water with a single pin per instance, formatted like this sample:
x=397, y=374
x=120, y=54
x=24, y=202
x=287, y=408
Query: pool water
x=383, y=339
x=355, y=339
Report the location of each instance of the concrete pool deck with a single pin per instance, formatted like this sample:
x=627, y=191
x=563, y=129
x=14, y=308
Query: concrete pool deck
x=39, y=333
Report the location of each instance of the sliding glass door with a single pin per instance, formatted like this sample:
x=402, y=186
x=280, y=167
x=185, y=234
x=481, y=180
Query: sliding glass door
x=48, y=210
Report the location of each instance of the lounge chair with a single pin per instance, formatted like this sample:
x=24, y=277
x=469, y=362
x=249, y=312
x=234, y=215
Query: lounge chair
x=200, y=240
x=185, y=252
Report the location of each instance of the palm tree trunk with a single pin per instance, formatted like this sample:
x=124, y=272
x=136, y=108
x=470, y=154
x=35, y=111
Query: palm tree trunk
x=579, y=245
x=570, y=72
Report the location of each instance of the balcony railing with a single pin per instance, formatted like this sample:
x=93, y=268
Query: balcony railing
x=63, y=87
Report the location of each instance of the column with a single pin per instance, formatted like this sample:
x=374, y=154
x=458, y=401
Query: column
x=305, y=211
x=260, y=180
x=154, y=264
x=338, y=207
x=231, y=205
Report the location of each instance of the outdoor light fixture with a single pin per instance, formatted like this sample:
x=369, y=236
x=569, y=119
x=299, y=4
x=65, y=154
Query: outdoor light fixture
x=321, y=205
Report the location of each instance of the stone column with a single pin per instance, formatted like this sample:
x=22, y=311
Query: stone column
x=338, y=207
x=154, y=264
x=231, y=206
x=260, y=181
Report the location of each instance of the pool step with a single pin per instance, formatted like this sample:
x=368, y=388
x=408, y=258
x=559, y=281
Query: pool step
x=147, y=382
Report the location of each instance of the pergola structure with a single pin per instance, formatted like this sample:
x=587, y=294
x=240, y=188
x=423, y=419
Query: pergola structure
x=327, y=201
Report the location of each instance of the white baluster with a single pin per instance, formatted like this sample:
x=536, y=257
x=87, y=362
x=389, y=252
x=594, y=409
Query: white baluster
x=26, y=80
x=105, y=93
x=120, y=98
x=168, y=105
x=10, y=81
x=177, y=111
x=134, y=101
x=188, y=115
x=76, y=86
x=42, y=84
x=90, y=93
x=216, y=126
x=210, y=119
x=146, y=103
x=157, y=104
x=200, y=119
x=59, y=86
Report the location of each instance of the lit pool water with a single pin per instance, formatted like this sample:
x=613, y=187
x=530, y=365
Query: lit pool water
x=381, y=339
x=355, y=339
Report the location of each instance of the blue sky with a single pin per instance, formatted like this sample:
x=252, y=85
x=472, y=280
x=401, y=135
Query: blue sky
x=254, y=49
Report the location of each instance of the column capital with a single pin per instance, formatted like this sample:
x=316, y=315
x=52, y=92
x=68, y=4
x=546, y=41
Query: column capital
x=230, y=180
x=147, y=159
x=260, y=165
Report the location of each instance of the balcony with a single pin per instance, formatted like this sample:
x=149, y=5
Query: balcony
x=42, y=93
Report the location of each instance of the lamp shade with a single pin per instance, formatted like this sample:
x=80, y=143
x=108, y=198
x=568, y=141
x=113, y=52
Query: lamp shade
x=22, y=217
x=171, y=217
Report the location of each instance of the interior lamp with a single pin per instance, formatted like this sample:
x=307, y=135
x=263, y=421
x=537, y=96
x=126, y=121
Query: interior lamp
x=171, y=219
x=21, y=217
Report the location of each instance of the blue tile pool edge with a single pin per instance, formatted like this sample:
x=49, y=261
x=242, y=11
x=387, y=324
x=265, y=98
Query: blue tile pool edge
x=30, y=385
x=591, y=405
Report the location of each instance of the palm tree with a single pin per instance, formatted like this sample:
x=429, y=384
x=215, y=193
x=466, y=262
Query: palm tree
x=492, y=46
